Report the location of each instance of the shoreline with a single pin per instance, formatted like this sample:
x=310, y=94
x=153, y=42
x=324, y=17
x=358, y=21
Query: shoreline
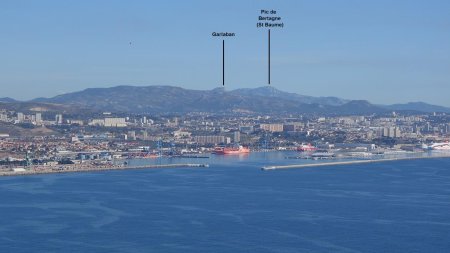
x=311, y=165
x=70, y=169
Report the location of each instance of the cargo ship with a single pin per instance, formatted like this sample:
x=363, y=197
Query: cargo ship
x=306, y=148
x=231, y=150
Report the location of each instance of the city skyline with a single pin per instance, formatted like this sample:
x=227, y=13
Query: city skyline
x=382, y=52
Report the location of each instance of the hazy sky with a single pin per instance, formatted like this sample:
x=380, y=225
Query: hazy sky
x=382, y=50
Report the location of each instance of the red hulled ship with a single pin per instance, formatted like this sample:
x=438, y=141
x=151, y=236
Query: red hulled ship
x=231, y=150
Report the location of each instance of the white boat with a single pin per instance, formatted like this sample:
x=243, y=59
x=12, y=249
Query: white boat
x=440, y=146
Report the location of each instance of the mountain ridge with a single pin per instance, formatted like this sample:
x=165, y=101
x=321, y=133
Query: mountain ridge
x=266, y=99
x=158, y=98
x=418, y=106
x=7, y=100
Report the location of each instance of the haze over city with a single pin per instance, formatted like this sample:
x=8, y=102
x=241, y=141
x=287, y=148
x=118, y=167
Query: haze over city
x=382, y=51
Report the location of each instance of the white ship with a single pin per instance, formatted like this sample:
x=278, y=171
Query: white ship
x=440, y=146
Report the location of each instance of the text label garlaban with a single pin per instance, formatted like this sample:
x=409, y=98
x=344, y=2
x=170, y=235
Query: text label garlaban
x=223, y=34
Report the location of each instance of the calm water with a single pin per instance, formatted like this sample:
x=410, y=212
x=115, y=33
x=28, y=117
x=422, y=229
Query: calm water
x=232, y=206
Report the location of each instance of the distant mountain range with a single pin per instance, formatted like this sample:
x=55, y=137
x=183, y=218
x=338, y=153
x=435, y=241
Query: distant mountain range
x=418, y=106
x=269, y=91
x=170, y=99
x=157, y=99
x=7, y=100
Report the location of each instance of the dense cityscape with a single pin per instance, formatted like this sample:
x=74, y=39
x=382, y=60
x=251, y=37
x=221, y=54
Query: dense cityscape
x=51, y=140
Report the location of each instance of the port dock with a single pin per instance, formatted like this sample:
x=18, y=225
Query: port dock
x=338, y=163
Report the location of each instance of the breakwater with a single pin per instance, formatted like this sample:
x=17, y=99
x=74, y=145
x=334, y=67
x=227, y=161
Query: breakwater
x=75, y=168
x=338, y=163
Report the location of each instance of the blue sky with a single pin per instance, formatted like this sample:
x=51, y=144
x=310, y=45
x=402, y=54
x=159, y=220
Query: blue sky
x=381, y=51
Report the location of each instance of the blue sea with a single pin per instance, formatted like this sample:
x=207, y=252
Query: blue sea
x=232, y=206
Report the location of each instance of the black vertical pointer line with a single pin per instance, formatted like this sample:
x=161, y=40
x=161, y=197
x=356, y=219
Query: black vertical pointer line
x=269, y=57
x=223, y=62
